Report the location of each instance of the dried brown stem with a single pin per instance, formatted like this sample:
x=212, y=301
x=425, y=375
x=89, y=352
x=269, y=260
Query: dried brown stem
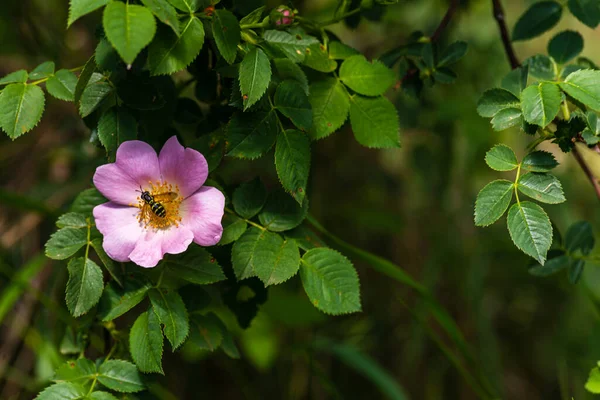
x=445, y=21
x=587, y=170
x=508, y=49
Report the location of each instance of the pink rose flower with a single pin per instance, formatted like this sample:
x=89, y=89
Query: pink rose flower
x=184, y=211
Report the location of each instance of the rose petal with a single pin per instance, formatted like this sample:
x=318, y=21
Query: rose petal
x=116, y=185
x=120, y=228
x=138, y=159
x=202, y=213
x=153, y=244
x=181, y=166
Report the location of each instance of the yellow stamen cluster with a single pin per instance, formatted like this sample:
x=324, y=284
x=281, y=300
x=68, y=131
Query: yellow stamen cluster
x=169, y=198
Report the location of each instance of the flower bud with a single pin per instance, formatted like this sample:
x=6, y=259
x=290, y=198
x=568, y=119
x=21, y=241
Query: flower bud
x=282, y=16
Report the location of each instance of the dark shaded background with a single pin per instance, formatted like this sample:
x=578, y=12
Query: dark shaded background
x=536, y=338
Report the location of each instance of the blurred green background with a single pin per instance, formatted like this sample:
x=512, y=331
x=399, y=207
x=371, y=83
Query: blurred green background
x=533, y=338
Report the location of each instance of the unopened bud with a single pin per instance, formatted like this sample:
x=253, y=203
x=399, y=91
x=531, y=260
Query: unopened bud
x=282, y=16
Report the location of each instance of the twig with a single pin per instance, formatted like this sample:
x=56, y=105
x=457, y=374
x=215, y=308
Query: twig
x=587, y=170
x=446, y=20
x=510, y=52
x=436, y=34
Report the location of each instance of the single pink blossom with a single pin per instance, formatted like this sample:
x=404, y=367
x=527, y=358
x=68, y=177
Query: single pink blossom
x=134, y=230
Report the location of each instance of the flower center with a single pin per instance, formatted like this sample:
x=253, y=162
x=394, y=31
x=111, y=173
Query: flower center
x=159, y=206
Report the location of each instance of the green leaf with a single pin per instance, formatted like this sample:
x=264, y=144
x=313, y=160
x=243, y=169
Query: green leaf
x=340, y=51
x=99, y=395
x=249, y=198
x=72, y=220
x=586, y=11
x=253, y=17
x=62, y=391
x=330, y=281
x=129, y=28
x=501, y=158
x=65, y=242
x=507, y=118
x=116, y=301
x=19, y=76
x=108, y=263
x=293, y=47
x=115, y=127
x=233, y=228
x=171, y=312
x=366, y=366
x=226, y=31
x=227, y=344
x=164, y=12
x=542, y=187
x=120, y=376
x=540, y=103
x=285, y=265
x=444, y=75
x=580, y=236
x=318, y=59
x=292, y=102
x=494, y=100
x=452, y=53
x=541, y=67
x=79, y=370
x=250, y=135
x=593, y=383
x=282, y=213
x=582, y=85
x=206, y=332
x=62, y=85
x=44, y=70
x=330, y=105
x=292, y=161
x=106, y=56
x=84, y=287
x=255, y=75
x=364, y=77
x=188, y=6
x=552, y=266
x=85, y=201
x=21, y=108
x=169, y=53
x=94, y=94
x=374, y=122
x=146, y=343
x=195, y=265
x=111, y=267
x=516, y=80
x=565, y=46
x=530, y=229
x=84, y=78
x=575, y=270
x=492, y=202
x=79, y=8
x=256, y=248
x=538, y=18
x=539, y=161
x=287, y=70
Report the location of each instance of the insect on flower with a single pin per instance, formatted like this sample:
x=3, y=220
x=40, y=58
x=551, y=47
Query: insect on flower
x=158, y=204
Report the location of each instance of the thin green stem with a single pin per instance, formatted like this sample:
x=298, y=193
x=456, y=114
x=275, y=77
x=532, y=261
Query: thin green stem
x=470, y=379
x=565, y=110
x=337, y=19
x=89, y=242
x=442, y=317
x=516, y=184
x=254, y=224
x=258, y=25
x=160, y=278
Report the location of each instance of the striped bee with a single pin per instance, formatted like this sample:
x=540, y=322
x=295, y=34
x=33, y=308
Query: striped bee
x=155, y=202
